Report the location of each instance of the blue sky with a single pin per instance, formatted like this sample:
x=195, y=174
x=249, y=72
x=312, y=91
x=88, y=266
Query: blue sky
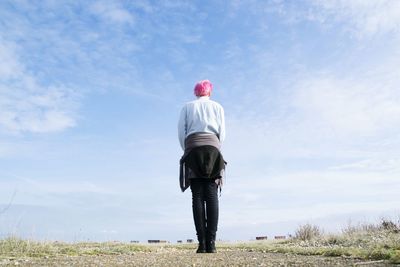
x=90, y=94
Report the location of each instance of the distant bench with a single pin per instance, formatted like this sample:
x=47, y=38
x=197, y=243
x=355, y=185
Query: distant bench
x=266, y=237
x=155, y=241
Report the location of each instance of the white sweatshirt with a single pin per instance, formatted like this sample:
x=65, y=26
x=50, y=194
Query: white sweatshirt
x=201, y=116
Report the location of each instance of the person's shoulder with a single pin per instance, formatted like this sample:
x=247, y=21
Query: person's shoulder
x=190, y=103
x=215, y=103
x=207, y=101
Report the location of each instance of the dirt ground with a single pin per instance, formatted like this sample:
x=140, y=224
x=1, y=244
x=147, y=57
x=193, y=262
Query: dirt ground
x=178, y=257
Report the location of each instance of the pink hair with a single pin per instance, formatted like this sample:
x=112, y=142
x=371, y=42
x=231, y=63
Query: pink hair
x=203, y=88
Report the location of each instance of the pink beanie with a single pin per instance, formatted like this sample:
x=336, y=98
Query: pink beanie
x=203, y=88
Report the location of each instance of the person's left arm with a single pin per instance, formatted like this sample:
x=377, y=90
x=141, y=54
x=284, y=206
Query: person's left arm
x=222, y=126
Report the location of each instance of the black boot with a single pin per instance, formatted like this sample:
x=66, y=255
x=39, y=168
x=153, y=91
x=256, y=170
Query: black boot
x=211, y=246
x=210, y=243
x=202, y=246
x=199, y=215
x=212, y=216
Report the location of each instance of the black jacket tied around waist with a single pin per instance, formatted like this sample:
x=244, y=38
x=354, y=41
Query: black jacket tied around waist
x=202, y=158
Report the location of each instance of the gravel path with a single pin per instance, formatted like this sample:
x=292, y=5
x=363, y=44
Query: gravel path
x=179, y=257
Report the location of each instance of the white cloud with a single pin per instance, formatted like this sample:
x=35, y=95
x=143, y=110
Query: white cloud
x=62, y=187
x=10, y=149
x=53, y=192
x=313, y=185
x=380, y=165
x=309, y=212
x=365, y=17
x=9, y=66
x=348, y=107
x=25, y=105
x=309, y=195
x=144, y=5
x=350, y=113
x=113, y=12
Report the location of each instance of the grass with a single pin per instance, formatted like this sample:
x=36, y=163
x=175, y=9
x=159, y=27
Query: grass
x=13, y=247
x=365, y=241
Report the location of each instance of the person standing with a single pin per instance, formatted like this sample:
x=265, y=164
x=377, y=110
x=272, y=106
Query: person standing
x=201, y=131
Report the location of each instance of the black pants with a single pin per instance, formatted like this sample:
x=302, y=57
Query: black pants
x=205, y=207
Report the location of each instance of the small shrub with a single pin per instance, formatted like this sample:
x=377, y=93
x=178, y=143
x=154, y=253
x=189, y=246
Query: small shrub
x=307, y=232
x=334, y=240
x=15, y=246
x=335, y=252
x=389, y=226
x=69, y=250
x=395, y=256
x=379, y=254
x=385, y=225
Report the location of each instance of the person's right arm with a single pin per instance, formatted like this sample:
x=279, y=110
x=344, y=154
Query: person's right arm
x=182, y=127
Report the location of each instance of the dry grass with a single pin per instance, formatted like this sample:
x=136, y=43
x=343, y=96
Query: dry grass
x=14, y=247
x=364, y=241
x=308, y=232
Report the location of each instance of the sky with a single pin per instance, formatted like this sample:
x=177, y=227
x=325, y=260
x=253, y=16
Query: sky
x=90, y=94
